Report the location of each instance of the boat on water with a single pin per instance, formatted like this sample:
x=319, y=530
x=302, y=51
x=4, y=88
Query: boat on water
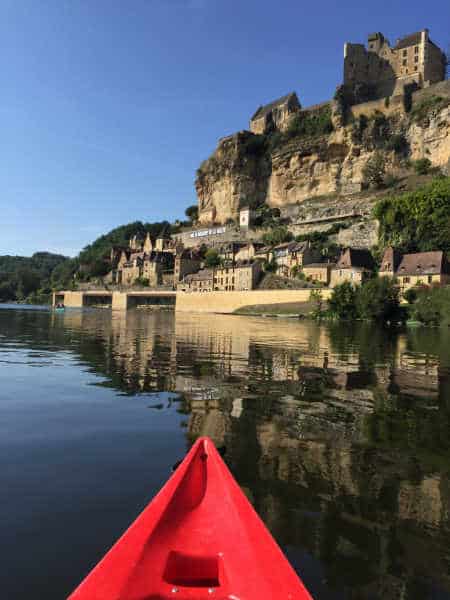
x=198, y=538
x=60, y=308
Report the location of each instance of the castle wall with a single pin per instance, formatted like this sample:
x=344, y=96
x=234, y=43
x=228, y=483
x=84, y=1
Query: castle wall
x=393, y=105
x=258, y=126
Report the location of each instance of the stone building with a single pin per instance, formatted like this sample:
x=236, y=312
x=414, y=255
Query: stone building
x=381, y=70
x=239, y=251
x=354, y=265
x=275, y=115
x=202, y=281
x=227, y=278
x=421, y=268
x=292, y=256
x=140, y=265
x=187, y=261
x=318, y=272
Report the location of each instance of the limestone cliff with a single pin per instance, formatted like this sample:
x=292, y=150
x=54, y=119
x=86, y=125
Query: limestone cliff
x=291, y=168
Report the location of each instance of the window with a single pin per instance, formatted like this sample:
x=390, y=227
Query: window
x=405, y=279
x=416, y=59
x=404, y=62
x=415, y=68
x=430, y=278
x=416, y=50
x=405, y=52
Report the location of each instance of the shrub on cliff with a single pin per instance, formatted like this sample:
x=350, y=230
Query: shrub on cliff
x=423, y=110
x=422, y=166
x=192, y=212
x=416, y=221
x=311, y=123
x=374, y=170
x=277, y=235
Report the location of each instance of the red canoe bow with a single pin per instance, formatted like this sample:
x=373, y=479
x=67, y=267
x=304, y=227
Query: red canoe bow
x=198, y=538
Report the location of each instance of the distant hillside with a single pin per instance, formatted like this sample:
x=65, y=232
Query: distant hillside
x=32, y=279
x=94, y=258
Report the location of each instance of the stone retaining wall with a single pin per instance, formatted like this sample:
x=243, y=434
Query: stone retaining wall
x=228, y=302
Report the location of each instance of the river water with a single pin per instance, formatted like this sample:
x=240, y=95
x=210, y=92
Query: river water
x=339, y=435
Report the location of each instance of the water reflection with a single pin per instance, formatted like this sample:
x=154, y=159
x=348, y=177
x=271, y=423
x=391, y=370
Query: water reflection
x=339, y=435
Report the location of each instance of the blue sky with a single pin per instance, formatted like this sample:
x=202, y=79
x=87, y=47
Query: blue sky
x=107, y=107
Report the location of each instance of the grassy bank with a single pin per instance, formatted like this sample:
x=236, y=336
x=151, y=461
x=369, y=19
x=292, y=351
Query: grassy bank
x=286, y=309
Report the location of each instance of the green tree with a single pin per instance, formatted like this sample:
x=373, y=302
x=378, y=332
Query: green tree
x=378, y=299
x=192, y=212
x=342, y=303
x=432, y=306
x=212, y=258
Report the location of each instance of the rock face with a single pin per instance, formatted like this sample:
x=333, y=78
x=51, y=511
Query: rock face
x=291, y=169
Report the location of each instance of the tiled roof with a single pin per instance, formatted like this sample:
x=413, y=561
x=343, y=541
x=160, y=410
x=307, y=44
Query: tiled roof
x=355, y=257
x=292, y=246
x=409, y=40
x=267, y=108
x=262, y=250
x=422, y=263
x=319, y=265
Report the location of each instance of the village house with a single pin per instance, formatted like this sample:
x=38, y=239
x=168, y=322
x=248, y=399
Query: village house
x=292, y=256
x=202, y=281
x=237, y=277
x=141, y=261
x=354, y=265
x=156, y=267
x=318, y=272
x=421, y=268
x=187, y=261
x=248, y=251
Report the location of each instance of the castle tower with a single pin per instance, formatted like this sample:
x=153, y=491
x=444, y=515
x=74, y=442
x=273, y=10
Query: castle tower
x=375, y=41
x=148, y=244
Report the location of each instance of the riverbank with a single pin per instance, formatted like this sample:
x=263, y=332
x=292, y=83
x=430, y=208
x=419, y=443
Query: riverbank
x=286, y=309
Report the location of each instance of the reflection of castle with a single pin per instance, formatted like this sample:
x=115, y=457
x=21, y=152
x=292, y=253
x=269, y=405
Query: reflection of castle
x=338, y=436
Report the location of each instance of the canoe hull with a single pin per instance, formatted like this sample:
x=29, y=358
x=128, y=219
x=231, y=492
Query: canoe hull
x=198, y=538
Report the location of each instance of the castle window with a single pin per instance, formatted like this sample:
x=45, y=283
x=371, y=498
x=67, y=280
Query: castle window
x=405, y=52
x=416, y=59
x=415, y=68
x=416, y=50
x=404, y=62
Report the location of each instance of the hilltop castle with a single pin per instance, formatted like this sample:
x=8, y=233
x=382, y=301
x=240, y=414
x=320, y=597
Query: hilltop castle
x=378, y=71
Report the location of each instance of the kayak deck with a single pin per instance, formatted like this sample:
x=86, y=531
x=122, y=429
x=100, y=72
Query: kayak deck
x=198, y=538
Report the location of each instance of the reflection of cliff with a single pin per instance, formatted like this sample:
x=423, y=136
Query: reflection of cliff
x=340, y=435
